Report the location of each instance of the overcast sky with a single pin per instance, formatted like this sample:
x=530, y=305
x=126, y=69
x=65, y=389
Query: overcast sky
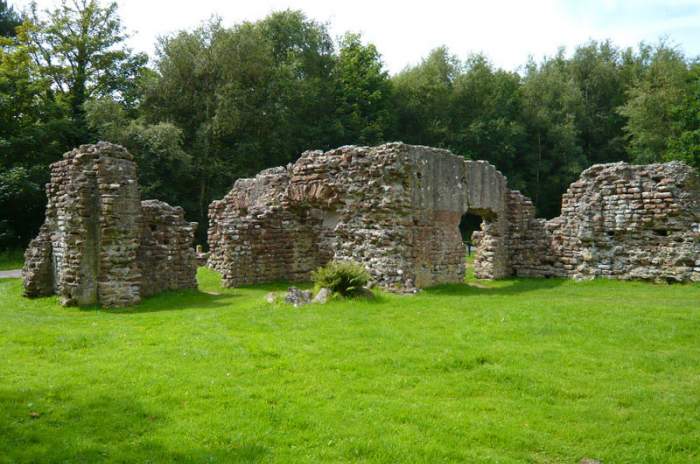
x=405, y=31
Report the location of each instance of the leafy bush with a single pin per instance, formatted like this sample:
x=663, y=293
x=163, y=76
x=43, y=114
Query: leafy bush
x=344, y=277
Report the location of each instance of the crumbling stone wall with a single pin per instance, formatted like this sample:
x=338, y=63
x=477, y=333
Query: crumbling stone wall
x=395, y=208
x=166, y=258
x=95, y=246
x=617, y=221
x=257, y=235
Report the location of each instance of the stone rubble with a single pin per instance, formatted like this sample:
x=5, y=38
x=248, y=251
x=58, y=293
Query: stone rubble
x=297, y=297
x=322, y=296
x=99, y=243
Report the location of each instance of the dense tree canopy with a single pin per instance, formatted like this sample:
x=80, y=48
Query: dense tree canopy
x=222, y=102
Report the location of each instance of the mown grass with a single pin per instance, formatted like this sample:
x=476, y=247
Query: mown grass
x=11, y=259
x=540, y=371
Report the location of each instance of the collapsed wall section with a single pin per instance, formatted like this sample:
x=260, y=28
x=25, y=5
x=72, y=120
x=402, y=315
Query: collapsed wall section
x=165, y=256
x=617, y=221
x=288, y=221
x=87, y=249
x=533, y=252
x=256, y=235
x=632, y=222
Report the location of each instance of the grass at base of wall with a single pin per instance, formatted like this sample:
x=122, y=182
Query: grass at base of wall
x=513, y=371
x=11, y=259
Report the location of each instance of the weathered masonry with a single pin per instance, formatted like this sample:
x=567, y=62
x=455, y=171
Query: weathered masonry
x=396, y=209
x=99, y=243
x=617, y=221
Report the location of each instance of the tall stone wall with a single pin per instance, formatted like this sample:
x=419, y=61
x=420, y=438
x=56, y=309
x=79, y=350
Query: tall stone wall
x=395, y=208
x=92, y=248
x=617, y=221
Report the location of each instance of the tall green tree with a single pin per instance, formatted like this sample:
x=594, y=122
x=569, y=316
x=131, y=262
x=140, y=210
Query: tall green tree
x=364, y=101
x=164, y=166
x=598, y=70
x=422, y=97
x=33, y=133
x=552, y=103
x=303, y=56
x=659, y=89
x=80, y=46
x=185, y=94
x=246, y=98
x=684, y=144
x=485, y=117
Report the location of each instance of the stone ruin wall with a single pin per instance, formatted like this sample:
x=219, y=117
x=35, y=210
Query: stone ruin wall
x=617, y=221
x=99, y=243
x=165, y=257
x=395, y=208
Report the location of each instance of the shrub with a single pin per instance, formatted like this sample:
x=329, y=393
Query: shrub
x=344, y=277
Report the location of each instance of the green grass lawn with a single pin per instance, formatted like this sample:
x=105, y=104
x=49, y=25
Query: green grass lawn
x=540, y=371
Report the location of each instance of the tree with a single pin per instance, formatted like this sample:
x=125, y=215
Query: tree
x=552, y=104
x=652, y=101
x=22, y=203
x=185, y=94
x=157, y=148
x=684, y=144
x=9, y=20
x=49, y=69
x=245, y=98
x=598, y=70
x=422, y=99
x=364, y=93
x=33, y=133
x=80, y=46
x=304, y=89
x=485, y=118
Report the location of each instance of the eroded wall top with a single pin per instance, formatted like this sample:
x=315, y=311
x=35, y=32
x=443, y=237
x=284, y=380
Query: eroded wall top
x=618, y=221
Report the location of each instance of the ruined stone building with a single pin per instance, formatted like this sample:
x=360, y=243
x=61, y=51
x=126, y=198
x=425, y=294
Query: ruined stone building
x=100, y=244
x=618, y=221
x=396, y=209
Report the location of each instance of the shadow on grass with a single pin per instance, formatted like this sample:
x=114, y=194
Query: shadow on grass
x=173, y=300
x=503, y=287
x=47, y=427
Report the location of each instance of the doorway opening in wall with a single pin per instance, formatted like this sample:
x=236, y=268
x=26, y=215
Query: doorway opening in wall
x=467, y=226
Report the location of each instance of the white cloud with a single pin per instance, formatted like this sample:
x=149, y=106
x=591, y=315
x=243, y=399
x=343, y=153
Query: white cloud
x=404, y=32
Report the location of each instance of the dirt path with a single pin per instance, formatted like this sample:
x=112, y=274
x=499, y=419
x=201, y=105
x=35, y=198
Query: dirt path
x=13, y=274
